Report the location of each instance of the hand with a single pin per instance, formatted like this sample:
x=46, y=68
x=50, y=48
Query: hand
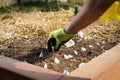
x=57, y=38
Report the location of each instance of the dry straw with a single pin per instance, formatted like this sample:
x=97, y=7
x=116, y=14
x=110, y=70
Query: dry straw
x=33, y=24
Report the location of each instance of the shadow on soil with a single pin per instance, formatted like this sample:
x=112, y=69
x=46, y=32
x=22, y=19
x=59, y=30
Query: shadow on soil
x=35, y=55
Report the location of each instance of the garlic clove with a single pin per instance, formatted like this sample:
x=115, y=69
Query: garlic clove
x=56, y=60
x=70, y=43
x=98, y=43
x=41, y=54
x=65, y=72
x=66, y=56
x=103, y=42
x=70, y=56
x=45, y=65
x=90, y=46
x=83, y=49
x=81, y=34
x=76, y=53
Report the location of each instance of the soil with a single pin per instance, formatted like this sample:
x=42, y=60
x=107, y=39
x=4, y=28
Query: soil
x=28, y=49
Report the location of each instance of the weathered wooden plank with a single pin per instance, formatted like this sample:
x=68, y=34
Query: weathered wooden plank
x=11, y=69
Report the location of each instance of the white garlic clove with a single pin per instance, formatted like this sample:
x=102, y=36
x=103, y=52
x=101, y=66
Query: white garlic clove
x=76, y=53
x=70, y=43
x=66, y=56
x=70, y=56
x=56, y=60
x=81, y=34
x=65, y=72
x=90, y=46
x=41, y=54
x=45, y=66
x=103, y=42
x=98, y=43
x=81, y=64
x=83, y=49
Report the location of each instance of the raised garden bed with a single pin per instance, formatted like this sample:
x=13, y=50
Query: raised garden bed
x=104, y=67
x=23, y=36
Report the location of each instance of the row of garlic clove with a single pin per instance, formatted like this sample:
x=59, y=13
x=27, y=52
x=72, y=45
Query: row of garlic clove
x=66, y=71
x=71, y=43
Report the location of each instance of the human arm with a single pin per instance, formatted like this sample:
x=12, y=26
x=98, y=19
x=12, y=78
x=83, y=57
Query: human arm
x=89, y=13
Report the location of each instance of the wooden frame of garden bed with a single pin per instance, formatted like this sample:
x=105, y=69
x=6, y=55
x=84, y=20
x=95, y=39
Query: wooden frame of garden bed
x=104, y=67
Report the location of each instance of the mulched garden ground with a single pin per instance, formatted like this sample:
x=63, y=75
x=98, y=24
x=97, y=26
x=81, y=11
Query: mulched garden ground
x=23, y=36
